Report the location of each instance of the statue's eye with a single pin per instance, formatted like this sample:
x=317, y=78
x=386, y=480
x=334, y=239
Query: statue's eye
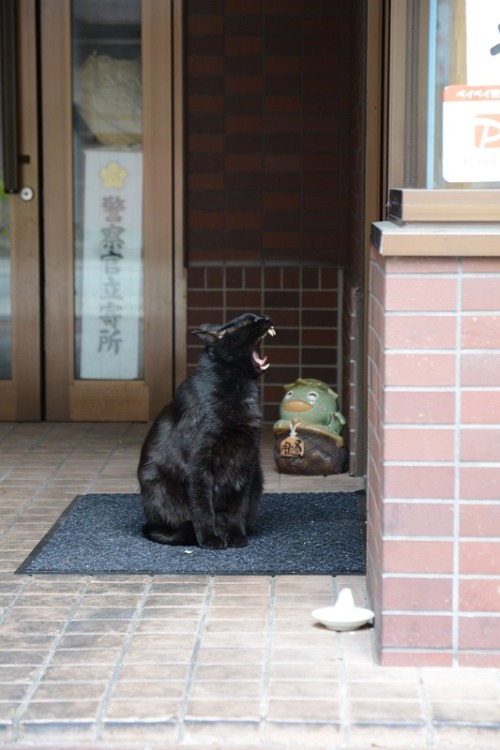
x=312, y=396
x=289, y=394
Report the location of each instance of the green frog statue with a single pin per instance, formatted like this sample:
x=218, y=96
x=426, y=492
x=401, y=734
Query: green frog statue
x=308, y=435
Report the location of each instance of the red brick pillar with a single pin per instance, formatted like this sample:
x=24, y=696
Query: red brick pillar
x=434, y=459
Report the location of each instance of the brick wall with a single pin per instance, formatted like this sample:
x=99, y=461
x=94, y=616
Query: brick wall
x=270, y=112
x=434, y=459
x=302, y=302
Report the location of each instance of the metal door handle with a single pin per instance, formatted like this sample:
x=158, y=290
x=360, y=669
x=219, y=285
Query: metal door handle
x=8, y=89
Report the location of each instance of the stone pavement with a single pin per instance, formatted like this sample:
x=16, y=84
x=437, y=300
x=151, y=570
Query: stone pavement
x=159, y=662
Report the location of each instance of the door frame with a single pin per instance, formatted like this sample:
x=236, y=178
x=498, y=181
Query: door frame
x=21, y=396
x=371, y=188
x=69, y=399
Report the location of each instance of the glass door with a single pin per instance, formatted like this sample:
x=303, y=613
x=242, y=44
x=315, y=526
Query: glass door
x=20, y=351
x=108, y=316
x=114, y=278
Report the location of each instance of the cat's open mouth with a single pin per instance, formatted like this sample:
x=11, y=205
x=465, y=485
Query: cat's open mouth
x=261, y=362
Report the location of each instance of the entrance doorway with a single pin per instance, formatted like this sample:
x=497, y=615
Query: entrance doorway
x=89, y=82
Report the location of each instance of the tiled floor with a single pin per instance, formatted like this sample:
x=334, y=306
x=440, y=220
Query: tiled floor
x=175, y=662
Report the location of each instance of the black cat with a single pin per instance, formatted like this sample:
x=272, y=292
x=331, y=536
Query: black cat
x=199, y=472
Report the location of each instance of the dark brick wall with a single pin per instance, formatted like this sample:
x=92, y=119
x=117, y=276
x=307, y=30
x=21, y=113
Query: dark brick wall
x=303, y=303
x=269, y=130
x=272, y=89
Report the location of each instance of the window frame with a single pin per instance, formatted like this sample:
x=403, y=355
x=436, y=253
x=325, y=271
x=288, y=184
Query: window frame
x=404, y=123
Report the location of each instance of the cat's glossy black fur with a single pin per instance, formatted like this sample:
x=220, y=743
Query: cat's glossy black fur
x=200, y=473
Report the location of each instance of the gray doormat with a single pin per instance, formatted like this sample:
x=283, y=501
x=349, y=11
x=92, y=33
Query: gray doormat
x=302, y=533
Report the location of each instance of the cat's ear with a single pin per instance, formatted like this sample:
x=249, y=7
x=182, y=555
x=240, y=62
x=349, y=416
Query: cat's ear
x=209, y=333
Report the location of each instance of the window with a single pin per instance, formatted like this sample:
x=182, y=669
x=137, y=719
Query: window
x=444, y=111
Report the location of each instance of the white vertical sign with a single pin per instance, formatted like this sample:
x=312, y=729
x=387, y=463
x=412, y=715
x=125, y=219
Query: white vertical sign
x=111, y=265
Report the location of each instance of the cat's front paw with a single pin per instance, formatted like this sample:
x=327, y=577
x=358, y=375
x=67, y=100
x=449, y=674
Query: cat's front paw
x=211, y=541
x=237, y=539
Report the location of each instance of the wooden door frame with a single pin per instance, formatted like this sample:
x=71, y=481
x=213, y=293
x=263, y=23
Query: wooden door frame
x=373, y=202
x=164, y=274
x=20, y=397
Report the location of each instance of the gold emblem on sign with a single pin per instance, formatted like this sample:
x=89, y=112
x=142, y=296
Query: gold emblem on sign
x=113, y=176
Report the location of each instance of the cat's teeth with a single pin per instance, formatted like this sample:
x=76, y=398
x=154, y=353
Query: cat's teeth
x=264, y=367
x=271, y=332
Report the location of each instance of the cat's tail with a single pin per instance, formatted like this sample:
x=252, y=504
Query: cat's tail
x=162, y=534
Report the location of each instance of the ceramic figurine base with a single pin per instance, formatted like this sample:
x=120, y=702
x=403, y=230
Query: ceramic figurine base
x=308, y=452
